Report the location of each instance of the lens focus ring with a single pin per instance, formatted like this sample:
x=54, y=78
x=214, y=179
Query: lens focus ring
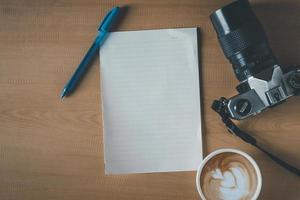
x=241, y=39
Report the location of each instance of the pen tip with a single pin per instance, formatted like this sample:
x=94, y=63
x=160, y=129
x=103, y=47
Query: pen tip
x=63, y=94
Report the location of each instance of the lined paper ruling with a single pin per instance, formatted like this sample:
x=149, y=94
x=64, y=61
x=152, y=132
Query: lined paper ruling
x=151, y=101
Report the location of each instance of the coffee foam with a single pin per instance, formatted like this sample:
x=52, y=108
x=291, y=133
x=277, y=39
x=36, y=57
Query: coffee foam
x=228, y=176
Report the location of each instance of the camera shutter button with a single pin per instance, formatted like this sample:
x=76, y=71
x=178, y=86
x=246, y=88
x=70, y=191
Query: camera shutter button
x=294, y=81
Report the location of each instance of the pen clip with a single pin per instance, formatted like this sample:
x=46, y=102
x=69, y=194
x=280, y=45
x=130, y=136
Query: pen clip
x=109, y=16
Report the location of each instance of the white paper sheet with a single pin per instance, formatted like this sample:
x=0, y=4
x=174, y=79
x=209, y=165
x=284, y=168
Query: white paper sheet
x=151, y=101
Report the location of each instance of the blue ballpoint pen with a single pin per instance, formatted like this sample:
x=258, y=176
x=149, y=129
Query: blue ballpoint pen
x=102, y=34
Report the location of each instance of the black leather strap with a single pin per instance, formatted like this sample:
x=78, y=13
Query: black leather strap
x=220, y=107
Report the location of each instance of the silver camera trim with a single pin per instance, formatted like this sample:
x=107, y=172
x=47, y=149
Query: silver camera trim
x=261, y=93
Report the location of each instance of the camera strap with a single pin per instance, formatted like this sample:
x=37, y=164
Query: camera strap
x=220, y=107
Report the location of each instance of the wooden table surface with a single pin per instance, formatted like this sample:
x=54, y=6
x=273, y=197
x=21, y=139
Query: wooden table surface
x=52, y=149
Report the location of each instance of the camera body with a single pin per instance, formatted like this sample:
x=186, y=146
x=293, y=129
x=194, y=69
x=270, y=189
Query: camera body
x=263, y=83
x=260, y=91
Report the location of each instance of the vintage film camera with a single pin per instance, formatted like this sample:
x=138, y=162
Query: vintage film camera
x=263, y=83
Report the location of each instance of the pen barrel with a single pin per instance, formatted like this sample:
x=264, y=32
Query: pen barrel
x=83, y=66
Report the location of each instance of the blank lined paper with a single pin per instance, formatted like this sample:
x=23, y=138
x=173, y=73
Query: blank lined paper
x=151, y=101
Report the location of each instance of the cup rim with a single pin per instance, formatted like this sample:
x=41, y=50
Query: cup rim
x=229, y=150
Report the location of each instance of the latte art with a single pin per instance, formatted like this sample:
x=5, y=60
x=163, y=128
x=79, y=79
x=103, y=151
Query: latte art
x=228, y=176
x=232, y=183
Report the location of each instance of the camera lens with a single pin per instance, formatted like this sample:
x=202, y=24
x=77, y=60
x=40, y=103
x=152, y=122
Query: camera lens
x=242, y=39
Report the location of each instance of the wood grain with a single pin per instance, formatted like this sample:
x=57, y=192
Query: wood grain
x=53, y=150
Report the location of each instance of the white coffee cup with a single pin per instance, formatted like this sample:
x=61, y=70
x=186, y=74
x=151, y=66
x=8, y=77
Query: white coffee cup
x=232, y=181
